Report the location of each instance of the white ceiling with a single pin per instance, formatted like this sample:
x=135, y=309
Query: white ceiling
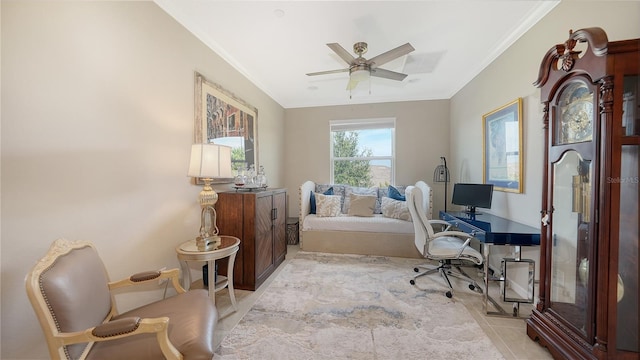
x=276, y=43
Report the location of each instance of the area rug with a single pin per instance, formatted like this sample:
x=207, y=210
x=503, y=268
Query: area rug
x=328, y=306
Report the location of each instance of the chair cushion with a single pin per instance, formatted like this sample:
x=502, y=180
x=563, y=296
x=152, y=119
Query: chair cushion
x=190, y=330
x=78, y=299
x=448, y=246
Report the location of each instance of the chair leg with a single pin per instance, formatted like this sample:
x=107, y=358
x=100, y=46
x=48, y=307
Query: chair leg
x=460, y=274
x=443, y=272
x=429, y=270
x=445, y=269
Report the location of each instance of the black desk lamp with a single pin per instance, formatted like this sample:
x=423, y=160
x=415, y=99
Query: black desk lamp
x=441, y=174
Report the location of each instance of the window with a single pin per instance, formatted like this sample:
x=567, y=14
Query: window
x=362, y=152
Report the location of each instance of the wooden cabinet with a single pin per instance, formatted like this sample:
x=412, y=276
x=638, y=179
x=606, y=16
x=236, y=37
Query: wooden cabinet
x=259, y=220
x=589, y=295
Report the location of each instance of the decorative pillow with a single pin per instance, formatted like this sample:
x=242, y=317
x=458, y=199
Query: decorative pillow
x=337, y=190
x=384, y=192
x=348, y=190
x=321, y=188
x=395, y=209
x=328, y=205
x=395, y=194
x=362, y=205
x=312, y=200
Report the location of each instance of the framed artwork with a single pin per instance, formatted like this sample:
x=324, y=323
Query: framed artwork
x=502, y=143
x=224, y=119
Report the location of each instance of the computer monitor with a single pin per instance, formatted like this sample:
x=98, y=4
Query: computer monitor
x=472, y=196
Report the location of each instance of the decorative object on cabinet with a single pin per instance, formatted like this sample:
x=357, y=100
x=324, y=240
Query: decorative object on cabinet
x=441, y=175
x=222, y=118
x=249, y=188
x=588, y=304
x=502, y=147
x=208, y=162
x=261, y=177
x=259, y=220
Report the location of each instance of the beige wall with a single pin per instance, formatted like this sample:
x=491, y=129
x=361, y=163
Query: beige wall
x=422, y=132
x=97, y=122
x=511, y=76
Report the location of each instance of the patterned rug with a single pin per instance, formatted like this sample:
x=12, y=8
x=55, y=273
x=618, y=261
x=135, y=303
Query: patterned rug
x=327, y=306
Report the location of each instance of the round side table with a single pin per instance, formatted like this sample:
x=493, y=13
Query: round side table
x=188, y=251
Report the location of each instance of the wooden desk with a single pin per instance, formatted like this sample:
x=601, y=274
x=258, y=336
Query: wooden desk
x=491, y=230
x=188, y=251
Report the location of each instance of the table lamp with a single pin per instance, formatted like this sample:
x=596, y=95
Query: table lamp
x=208, y=162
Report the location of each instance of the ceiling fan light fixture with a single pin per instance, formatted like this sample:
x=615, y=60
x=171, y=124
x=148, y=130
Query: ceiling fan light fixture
x=360, y=74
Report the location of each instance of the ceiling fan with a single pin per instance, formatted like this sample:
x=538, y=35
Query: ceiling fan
x=360, y=68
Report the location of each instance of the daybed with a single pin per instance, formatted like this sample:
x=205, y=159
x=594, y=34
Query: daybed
x=377, y=234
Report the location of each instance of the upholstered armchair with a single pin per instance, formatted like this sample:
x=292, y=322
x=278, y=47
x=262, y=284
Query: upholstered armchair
x=73, y=299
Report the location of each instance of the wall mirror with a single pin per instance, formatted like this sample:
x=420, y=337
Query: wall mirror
x=224, y=119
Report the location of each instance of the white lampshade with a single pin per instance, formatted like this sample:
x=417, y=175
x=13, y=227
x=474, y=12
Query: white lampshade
x=210, y=161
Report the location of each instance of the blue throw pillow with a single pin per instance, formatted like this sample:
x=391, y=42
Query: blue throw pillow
x=312, y=200
x=395, y=194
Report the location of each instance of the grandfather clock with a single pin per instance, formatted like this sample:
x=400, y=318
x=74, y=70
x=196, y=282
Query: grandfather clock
x=589, y=293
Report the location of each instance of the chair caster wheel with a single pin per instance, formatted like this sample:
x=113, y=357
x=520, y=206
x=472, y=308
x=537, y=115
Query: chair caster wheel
x=412, y=282
x=416, y=269
x=449, y=294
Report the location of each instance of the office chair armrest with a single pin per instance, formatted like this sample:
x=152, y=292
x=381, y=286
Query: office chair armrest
x=466, y=243
x=125, y=327
x=144, y=277
x=445, y=224
x=454, y=233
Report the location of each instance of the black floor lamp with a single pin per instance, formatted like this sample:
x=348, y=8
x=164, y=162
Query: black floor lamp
x=441, y=174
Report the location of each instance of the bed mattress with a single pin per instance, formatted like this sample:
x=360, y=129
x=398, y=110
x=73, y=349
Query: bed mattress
x=376, y=223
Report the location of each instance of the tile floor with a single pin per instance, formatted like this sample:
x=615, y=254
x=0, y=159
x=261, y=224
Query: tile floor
x=508, y=334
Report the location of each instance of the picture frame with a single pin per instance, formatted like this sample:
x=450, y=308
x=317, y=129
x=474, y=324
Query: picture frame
x=224, y=119
x=502, y=147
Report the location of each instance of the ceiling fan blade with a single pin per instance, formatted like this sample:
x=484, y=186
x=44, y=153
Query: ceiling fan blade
x=388, y=74
x=344, y=54
x=390, y=55
x=328, y=72
x=352, y=83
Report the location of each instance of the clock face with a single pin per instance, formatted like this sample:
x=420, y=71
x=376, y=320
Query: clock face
x=575, y=120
